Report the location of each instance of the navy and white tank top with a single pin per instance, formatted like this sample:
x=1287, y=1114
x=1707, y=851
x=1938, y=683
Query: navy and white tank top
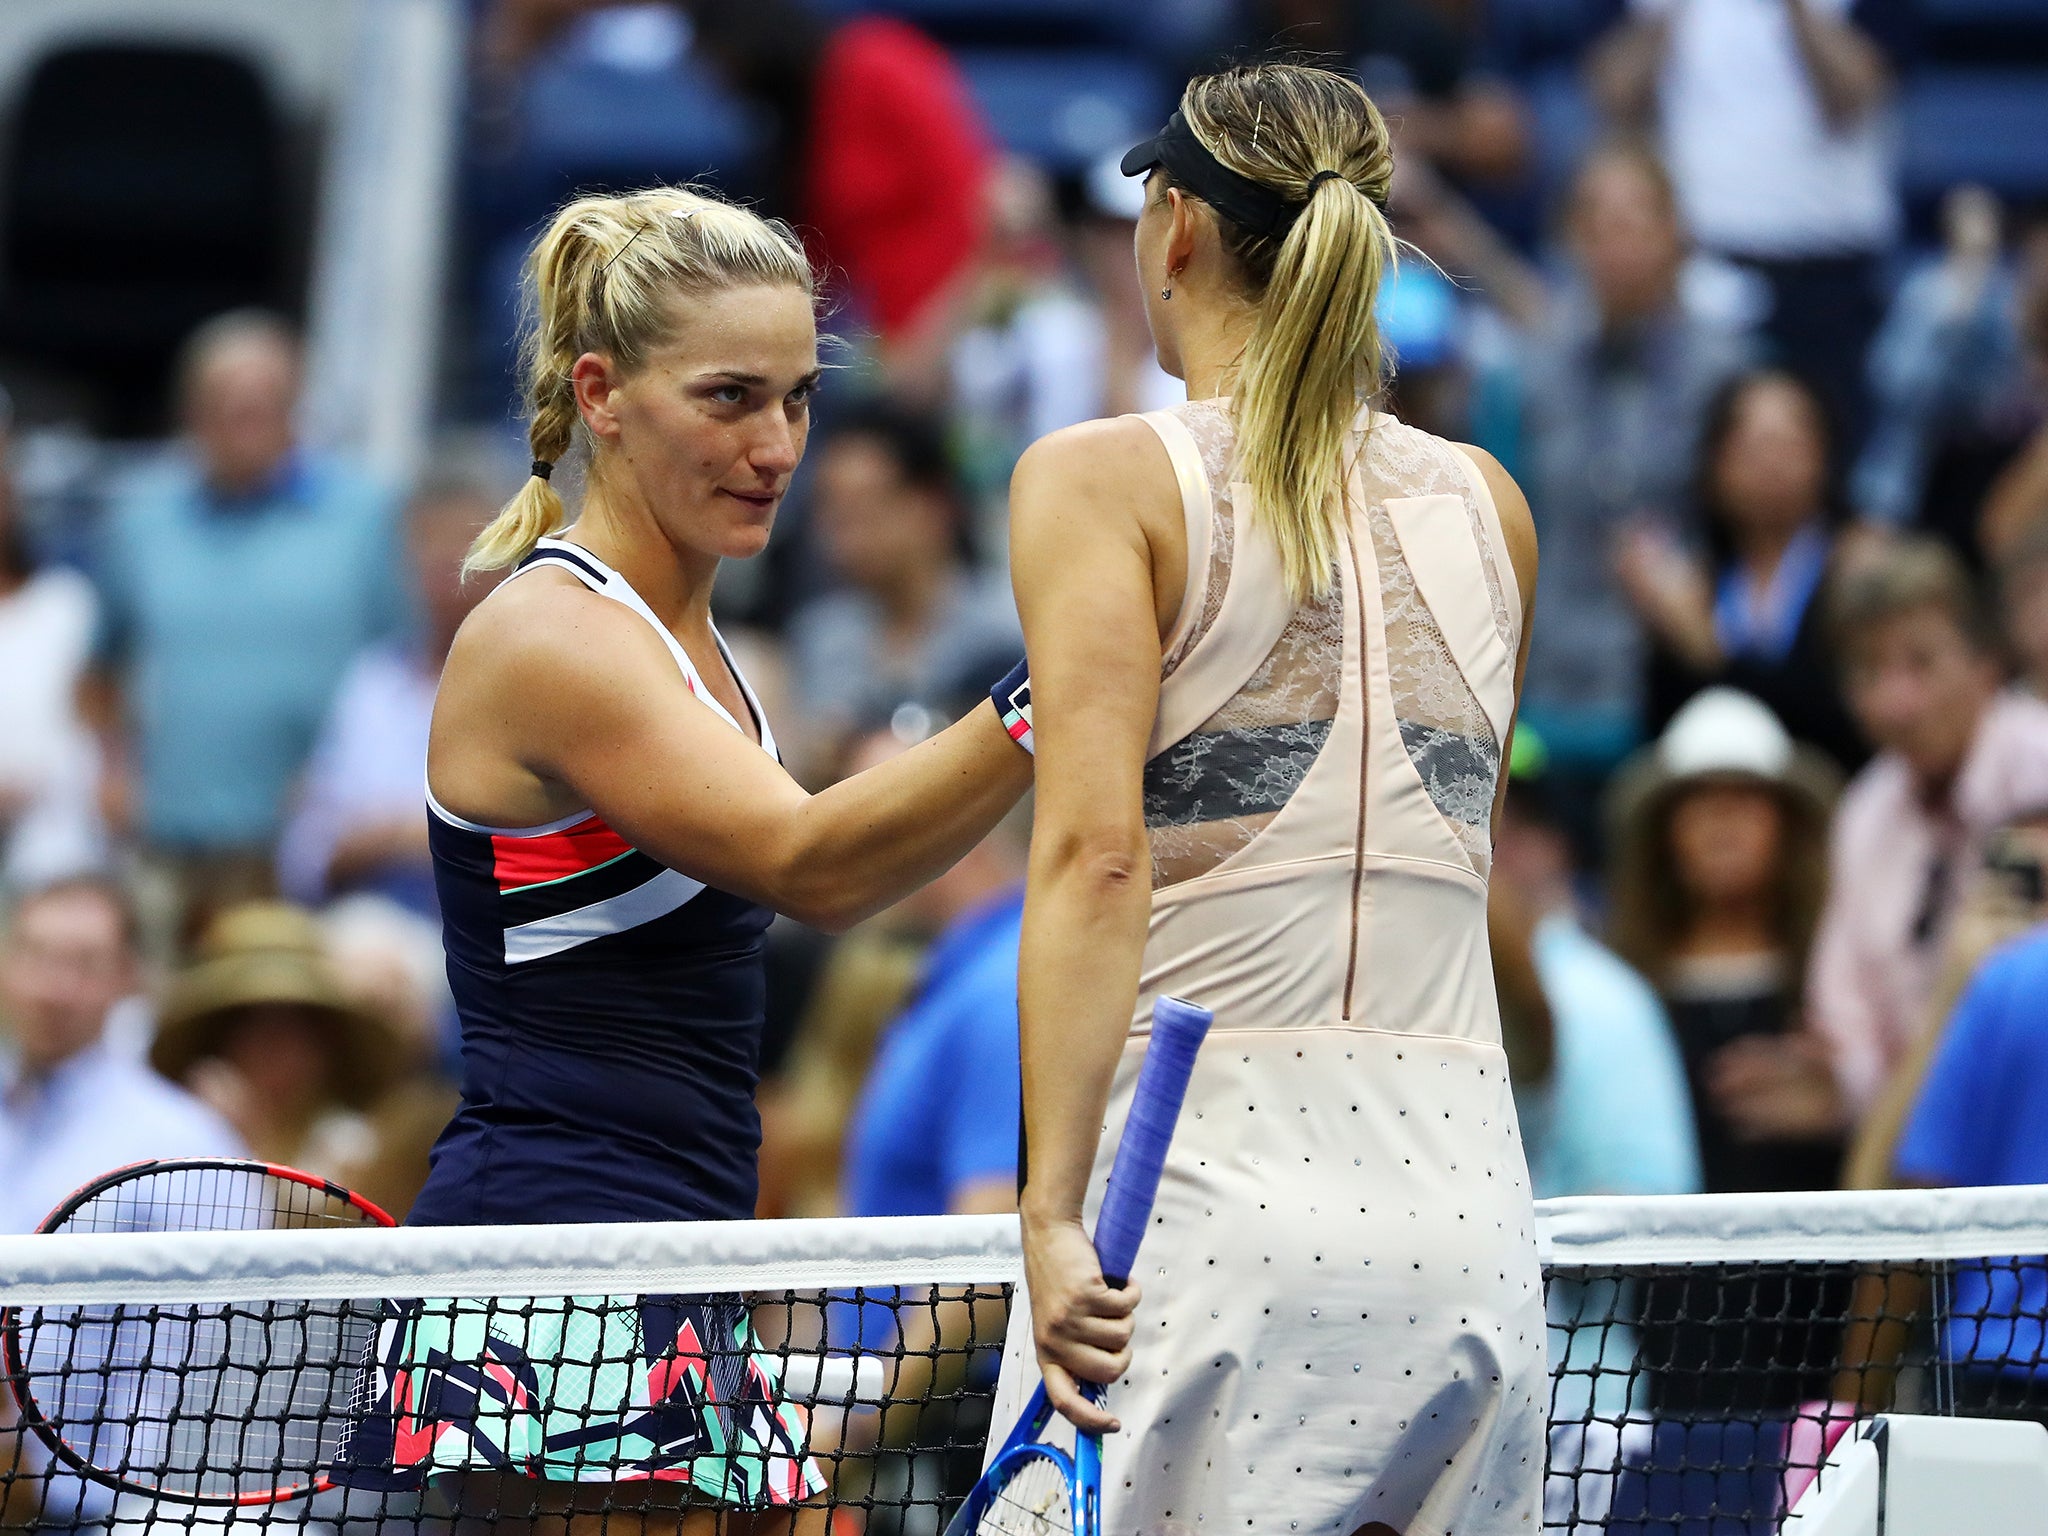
x=611, y=1010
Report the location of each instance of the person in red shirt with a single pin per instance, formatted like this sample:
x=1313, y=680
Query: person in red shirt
x=882, y=157
x=877, y=153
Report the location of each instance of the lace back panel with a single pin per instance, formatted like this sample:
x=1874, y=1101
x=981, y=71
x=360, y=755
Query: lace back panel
x=1210, y=794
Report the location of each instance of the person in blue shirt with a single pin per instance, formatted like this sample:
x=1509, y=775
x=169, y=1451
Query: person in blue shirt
x=935, y=1131
x=236, y=585
x=1979, y=1121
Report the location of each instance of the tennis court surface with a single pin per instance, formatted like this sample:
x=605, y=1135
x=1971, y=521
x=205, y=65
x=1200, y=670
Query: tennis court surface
x=836, y=1375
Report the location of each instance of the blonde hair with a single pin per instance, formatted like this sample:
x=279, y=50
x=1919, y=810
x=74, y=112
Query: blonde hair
x=603, y=278
x=1315, y=347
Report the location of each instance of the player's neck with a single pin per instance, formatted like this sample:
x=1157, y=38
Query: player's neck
x=674, y=582
x=1212, y=343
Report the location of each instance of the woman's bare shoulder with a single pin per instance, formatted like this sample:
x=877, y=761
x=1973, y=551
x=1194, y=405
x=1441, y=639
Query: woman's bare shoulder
x=1105, y=452
x=1112, y=468
x=547, y=631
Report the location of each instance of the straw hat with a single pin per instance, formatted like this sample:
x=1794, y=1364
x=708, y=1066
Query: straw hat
x=1726, y=735
x=270, y=952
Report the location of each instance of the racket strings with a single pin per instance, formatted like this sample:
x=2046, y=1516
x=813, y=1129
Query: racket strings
x=216, y=1400
x=1037, y=1501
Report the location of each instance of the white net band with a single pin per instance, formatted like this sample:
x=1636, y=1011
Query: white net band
x=683, y=1258
x=704, y=1257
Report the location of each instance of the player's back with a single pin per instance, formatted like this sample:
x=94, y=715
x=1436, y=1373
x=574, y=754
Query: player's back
x=1343, y=1311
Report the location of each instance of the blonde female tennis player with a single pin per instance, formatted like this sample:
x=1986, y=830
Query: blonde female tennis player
x=1275, y=639
x=611, y=832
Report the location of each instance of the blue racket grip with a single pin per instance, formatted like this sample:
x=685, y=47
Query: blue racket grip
x=1178, y=1029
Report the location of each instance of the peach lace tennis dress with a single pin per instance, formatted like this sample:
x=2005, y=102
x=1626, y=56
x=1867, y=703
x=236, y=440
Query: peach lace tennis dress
x=1343, y=1314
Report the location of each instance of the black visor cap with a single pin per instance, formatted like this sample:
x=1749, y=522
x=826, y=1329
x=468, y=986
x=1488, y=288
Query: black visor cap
x=1243, y=201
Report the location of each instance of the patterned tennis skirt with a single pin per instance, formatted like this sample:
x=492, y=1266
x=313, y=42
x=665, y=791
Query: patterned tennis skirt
x=587, y=1389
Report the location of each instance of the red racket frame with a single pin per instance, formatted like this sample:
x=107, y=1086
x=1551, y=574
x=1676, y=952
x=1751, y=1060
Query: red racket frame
x=16, y=1368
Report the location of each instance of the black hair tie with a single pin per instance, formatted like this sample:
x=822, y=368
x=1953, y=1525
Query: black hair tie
x=545, y=468
x=1320, y=177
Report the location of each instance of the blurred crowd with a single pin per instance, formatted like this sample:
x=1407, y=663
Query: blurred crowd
x=1769, y=881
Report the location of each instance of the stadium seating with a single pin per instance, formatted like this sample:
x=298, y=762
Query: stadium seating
x=144, y=190
x=1066, y=108
x=1982, y=125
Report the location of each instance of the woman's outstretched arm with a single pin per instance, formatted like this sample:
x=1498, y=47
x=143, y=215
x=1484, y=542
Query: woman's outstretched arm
x=585, y=696
x=1087, y=510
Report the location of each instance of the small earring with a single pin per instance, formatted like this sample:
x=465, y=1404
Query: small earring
x=1166, y=293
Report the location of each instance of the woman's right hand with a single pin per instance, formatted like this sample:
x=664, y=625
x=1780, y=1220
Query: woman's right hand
x=1670, y=592
x=1081, y=1326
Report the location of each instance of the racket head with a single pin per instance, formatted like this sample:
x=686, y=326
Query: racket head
x=189, y=1402
x=1029, y=1490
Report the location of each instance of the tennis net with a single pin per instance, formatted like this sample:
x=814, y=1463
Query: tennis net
x=836, y=1376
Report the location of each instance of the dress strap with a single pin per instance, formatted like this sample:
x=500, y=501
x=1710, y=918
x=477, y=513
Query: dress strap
x=1197, y=509
x=606, y=582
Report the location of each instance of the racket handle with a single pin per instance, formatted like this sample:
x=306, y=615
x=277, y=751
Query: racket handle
x=1177, y=1032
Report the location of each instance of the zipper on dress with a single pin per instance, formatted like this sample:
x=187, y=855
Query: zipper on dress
x=1358, y=607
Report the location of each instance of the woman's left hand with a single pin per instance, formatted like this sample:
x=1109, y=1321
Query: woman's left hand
x=1082, y=1327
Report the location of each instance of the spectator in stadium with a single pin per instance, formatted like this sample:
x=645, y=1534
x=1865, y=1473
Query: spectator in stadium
x=391, y=966
x=912, y=620
x=935, y=1128
x=1617, y=369
x=1419, y=65
x=934, y=1131
x=259, y=1025
x=1612, y=1116
x=1947, y=375
x=2004, y=898
x=874, y=148
x=1976, y=1121
x=1030, y=359
x=236, y=587
x=358, y=824
x=1751, y=617
x=72, y=1105
x=881, y=157
x=2017, y=501
x=49, y=767
x=864, y=980
x=2022, y=574
x=1719, y=873
x=1959, y=755
x=1772, y=119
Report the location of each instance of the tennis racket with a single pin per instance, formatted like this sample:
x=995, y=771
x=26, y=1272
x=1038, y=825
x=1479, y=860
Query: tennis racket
x=1033, y=1488
x=189, y=1402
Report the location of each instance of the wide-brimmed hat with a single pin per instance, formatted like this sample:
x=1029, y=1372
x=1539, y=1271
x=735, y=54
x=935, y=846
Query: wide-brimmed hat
x=1721, y=735
x=270, y=952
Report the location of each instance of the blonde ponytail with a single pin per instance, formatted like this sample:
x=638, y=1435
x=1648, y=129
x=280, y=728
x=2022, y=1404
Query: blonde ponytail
x=604, y=278
x=1315, y=353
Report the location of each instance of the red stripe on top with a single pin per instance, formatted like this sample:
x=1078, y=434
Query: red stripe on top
x=518, y=861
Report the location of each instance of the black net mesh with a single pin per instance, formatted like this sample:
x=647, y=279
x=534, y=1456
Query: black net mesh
x=1692, y=1397
x=842, y=1412
x=1702, y=1397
